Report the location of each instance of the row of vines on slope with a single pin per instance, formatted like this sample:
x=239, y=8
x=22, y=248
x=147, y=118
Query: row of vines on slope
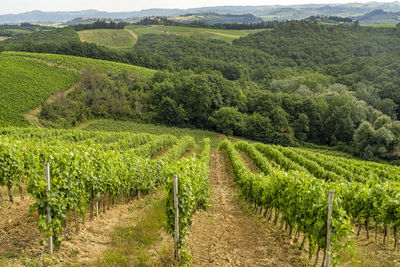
x=300, y=198
x=193, y=189
x=82, y=170
x=366, y=196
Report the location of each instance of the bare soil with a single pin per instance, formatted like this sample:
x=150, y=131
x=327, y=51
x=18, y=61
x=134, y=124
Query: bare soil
x=21, y=241
x=161, y=152
x=19, y=234
x=86, y=247
x=225, y=235
x=371, y=251
x=249, y=163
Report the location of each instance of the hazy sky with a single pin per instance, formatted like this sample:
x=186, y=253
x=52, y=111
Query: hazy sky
x=17, y=6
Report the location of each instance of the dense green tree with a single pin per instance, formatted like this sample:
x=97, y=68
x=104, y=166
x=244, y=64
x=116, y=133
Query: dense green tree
x=259, y=128
x=343, y=116
x=363, y=137
x=382, y=121
x=170, y=113
x=301, y=127
x=379, y=140
x=229, y=121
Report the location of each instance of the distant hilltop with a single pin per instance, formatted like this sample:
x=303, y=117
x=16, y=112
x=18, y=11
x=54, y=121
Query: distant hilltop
x=372, y=12
x=379, y=16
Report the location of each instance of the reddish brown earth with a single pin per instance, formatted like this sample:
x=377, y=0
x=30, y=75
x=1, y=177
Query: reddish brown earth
x=225, y=235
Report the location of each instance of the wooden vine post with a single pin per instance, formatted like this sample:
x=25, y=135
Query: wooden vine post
x=47, y=178
x=329, y=230
x=176, y=205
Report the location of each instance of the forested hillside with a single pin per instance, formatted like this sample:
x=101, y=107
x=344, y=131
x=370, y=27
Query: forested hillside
x=296, y=82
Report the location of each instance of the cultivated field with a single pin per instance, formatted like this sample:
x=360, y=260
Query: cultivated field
x=79, y=63
x=133, y=127
x=267, y=201
x=223, y=35
x=89, y=173
x=116, y=38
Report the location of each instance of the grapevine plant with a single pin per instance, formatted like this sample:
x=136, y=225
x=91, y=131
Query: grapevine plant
x=193, y=189
x=301, y=199
x=84, y=168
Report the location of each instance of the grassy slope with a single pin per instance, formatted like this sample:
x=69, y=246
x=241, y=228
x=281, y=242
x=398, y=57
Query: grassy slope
x=119, y=39
x=224, y=35
x=28, y=79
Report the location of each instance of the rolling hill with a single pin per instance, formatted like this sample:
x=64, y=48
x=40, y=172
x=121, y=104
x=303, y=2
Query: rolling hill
x=266, y=12
x=214, y=18
x=25, y=83
x=379, y=17
x=27, y=80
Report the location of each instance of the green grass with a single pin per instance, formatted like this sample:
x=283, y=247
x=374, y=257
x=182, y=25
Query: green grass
x=25, y=84
x=119, y=39
x=128, y=126
x=80, y=63
x=131, y=245
x=223, y=35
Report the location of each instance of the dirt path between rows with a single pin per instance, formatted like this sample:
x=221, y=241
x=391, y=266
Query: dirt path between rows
x=134, y=34
x=19, y=234
x=225, y=235
x=94, y=237
x=20, y=238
